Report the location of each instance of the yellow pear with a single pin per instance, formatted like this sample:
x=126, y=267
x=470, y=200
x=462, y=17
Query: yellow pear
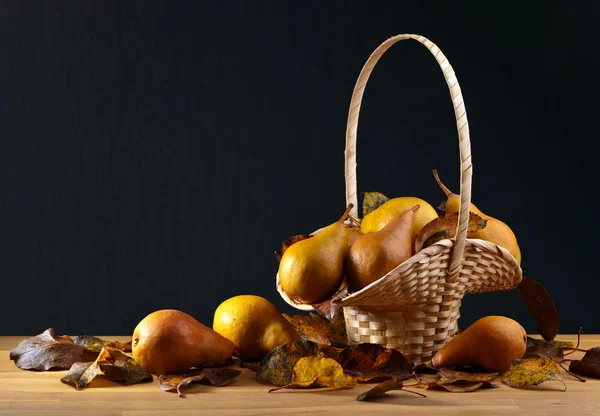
x=169, y=341
x=312, y=270
x=373, y=255
x=491, y=343
x=495, y=230
x=254, y=325
x=377, y=219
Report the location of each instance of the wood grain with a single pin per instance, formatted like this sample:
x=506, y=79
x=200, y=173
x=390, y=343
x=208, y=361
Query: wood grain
x=32, y=393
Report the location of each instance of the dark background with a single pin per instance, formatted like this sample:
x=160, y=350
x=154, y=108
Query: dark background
x=154, y=155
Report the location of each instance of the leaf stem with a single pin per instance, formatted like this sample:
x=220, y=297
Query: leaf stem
x=574, y=375
x=578, y=342
x=280, y=388
x=414, y=392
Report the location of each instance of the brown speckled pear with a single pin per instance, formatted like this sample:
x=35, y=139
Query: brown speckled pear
x=492, y=343
x=373, y=255
x=312, y=270
x=254, y=325
x=169, y=341
x=495, y=230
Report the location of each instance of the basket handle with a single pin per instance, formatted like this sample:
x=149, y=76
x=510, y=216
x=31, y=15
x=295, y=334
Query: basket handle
x=466, y=168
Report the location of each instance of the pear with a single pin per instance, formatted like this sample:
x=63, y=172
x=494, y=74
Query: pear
x=312, y=270
x=352, y=234
x=495, y=230
x=491, y=343
x=169, y=341
x=373, y=255
x=377, y=219
x=254, y=325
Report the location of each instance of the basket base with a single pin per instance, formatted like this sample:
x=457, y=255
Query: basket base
x=417, y=331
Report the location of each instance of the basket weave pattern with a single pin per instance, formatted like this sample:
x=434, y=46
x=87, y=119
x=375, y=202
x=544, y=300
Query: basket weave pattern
x=415, y=307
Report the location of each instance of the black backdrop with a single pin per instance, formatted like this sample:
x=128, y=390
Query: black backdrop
x=154, y=155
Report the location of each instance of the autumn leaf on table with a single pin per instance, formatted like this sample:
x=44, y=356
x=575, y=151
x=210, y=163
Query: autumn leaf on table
x=367, y=362
x=589, y=365
x=47, y=351
x=531, y=372
x=116, y=365
x=214, y=376
x=319, y=372
x=445, y=227
x=461, y=381
x=372, y=201
x=278, y=365
x=309, y=328
x=545, y=349
x=561, y=344
x=539, y=304
x=96, y=344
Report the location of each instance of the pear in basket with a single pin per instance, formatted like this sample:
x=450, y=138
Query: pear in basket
x=312, y=270
x=495, y=230
x=373, y=255
x=377, y=219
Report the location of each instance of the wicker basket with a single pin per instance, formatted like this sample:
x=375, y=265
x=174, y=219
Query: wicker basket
x=415, y=307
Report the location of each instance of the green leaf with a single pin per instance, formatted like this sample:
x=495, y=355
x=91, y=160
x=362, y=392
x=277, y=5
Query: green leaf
x=372, y=201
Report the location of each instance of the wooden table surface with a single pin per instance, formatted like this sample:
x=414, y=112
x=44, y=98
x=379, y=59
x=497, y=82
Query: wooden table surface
x=34, y=393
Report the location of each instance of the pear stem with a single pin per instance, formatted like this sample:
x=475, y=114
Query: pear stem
x=347, y=212
x=447, y=191
x=354, y=220
x=415, y=208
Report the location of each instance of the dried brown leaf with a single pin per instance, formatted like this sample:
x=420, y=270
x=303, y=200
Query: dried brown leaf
x=445, y=227
x=309, y=328
x=539, y=304
x=460, y=386
x=589, y=365
x=116, y=365
x=545, y=349
x=277, y=366
x=96, y=344
x=217, y=377
x=380, y=389
x=47, y=351
x=451, y=376
x=367, y=362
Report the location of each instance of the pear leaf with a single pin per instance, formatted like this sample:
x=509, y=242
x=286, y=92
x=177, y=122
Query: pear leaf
x=47, y=351
x=444, y=227
x=372, y=201
x=277, y=366
x=214, y=376
x=380, y=389
x=539, y=304
x=96, y=344
x=368, y=362
x=531, y=372
x=309, y=328
x=329, y=308
x=561, y=344
x=461, y=381
x=589, y=365
x=116, y=365
x=288, y=243
x=545, y=349
x=310, y=372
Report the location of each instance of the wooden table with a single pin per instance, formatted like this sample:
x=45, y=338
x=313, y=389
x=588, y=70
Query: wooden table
x=32, y=393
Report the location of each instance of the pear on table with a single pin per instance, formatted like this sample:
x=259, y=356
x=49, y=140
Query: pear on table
x=312, y=270
x=491, y=343
x=495, y=230
x=374, y=255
